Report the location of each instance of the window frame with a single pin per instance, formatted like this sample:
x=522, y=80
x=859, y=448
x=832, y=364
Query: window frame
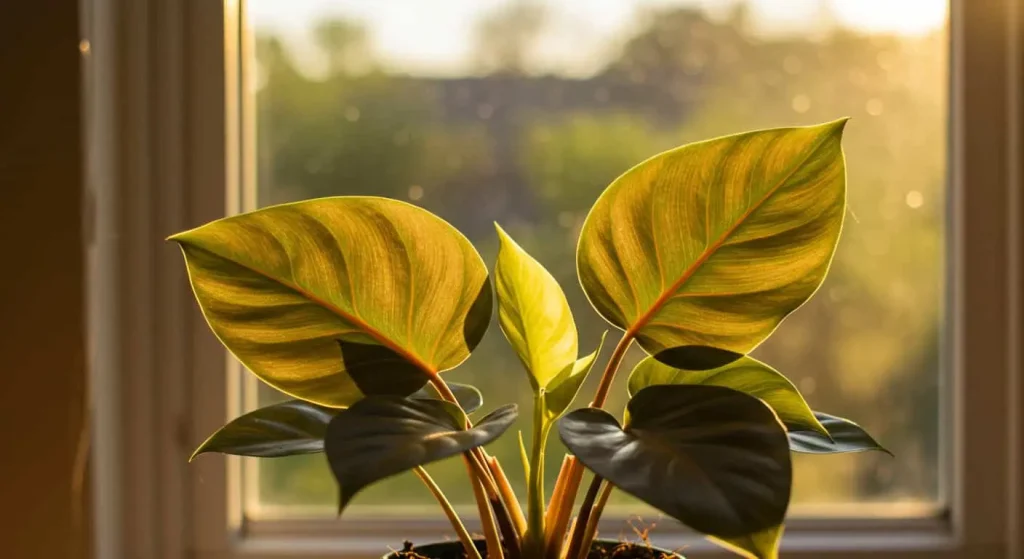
x=168, y=137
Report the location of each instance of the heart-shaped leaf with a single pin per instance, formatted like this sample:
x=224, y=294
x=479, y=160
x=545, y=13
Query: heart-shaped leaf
x=713, y=458
x=747, y=375
x=533, y=313
x=759, y=545
x=298, y=427
x=563, y=388
x=846, y=436
x=285, y=429
x=381, y=436
x=279, y=286
x=714, y=243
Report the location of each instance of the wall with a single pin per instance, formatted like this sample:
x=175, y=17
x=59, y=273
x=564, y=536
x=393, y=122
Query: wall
x=42, y=335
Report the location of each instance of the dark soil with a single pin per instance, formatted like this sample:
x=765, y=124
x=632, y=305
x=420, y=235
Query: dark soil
x=601, y=550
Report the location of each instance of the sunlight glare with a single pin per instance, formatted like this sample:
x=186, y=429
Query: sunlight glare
x=906, y=17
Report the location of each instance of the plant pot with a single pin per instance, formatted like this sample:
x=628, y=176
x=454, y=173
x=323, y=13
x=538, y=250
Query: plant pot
x=454, y=550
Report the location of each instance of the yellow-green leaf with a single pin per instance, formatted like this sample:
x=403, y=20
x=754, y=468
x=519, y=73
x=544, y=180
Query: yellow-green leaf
x=533, y=313
x=564, y=387
x=747, y=375
x=285, y=288
x=759, y=545
x=714, y=243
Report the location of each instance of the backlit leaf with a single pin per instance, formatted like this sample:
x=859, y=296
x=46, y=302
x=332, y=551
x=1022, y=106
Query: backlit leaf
x=846, y=436
x=713, y=458
x=714, y=243
x=533, y=313
x=282, y=285
x=759, y=545
x=564, y=388
x=382, y=436
x=747, y=375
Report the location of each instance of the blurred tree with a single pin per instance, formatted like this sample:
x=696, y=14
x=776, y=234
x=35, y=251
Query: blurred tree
x=505, y=39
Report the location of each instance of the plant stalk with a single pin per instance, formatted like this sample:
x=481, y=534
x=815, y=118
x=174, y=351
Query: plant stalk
x=507, y=530
x=576, y=541
x=487, y=522
x=595, y=517
x=535, y=485
x=449, y=511
x=508, y=495
x=557, y=529
x=477, y=462
x=574, y=473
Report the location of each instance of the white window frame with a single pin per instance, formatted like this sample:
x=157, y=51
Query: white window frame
x=167, y=137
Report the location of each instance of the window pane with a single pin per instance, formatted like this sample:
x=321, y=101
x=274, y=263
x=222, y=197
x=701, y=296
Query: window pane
x=522, y=113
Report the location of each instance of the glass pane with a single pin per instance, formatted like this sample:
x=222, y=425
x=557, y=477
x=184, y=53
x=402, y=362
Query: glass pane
x=522, y=112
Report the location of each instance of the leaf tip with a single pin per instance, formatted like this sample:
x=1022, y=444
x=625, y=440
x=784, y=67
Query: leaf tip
x=838, y=126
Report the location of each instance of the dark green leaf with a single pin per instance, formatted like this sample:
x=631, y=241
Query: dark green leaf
x=469, y=398
x=713, y=458
x=697, y=357
x=381, y=436
x=380, y=371
x=759, y=545
x=847, y=436
x=747, y=375
x=292, y=427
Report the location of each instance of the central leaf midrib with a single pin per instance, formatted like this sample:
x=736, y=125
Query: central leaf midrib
x=357, y=321
x=710, y=250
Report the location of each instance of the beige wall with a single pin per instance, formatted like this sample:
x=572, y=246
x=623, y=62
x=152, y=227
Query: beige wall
x=42, y=335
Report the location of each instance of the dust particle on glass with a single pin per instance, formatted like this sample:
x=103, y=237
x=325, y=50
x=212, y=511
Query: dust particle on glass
x=915, y=199
x=484, y=111
x=808, y=385
x=415, y=192
x=792, y=65
x=801, y=103
x=351, y=114
x=874, y=107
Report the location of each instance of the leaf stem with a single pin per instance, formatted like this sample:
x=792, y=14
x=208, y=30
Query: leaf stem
x=590, y=531
x=479, y=465
x=576, y=541
x=609, y=371
x=535, y=486
x=449, y=511
x=508, y=495
x=490, y=529
x=571, y=476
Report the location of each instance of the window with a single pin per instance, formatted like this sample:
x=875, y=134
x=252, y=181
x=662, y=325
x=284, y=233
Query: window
x=521, y=113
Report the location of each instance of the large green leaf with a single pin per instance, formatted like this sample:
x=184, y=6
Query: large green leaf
x=282, y=286
x=713, y=458
x=714, y=243
x=844, y=436
x=285, y=429
x=381, y=436
x=533, y=313
x=747, y=375
x=759, y=545
x=298, y=427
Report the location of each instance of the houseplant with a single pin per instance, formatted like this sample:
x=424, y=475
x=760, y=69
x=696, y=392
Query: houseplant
x=354, y=306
